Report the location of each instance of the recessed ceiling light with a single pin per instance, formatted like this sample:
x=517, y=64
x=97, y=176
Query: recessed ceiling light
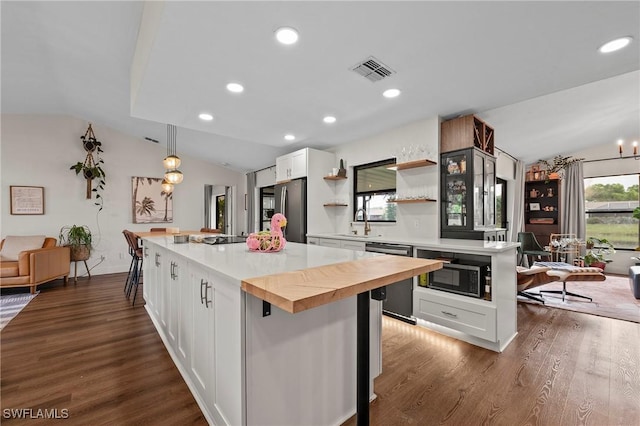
x=391, y=93
x=205, y=116
x=235, y=87
x=616, y=44
x=329, y=119
x=287, y=35
x=290, y=137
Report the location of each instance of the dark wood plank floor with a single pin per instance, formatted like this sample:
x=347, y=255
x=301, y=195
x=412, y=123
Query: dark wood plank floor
x=83, y=348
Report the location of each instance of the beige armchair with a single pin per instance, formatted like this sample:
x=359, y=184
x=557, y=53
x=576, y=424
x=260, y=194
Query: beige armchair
x=34, y=266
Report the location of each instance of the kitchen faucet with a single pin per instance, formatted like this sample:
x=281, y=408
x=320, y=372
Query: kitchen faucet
x=367, y=228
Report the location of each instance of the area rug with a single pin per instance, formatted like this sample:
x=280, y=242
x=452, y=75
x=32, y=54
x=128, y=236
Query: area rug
x=11, y=305
x=612, y=298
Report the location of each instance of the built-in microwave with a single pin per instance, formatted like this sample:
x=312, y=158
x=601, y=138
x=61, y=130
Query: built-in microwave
x=467, y=279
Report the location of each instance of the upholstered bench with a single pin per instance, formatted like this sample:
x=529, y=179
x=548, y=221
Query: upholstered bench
x=634, y=281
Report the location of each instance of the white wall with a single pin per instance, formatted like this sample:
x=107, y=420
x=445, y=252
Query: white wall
x=38, y=151
x=417, y=220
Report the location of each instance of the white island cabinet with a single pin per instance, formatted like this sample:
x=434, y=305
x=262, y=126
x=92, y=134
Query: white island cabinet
x=292, y=367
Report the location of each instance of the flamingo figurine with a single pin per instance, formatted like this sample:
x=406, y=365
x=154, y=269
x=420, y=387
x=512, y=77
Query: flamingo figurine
x=269, y=241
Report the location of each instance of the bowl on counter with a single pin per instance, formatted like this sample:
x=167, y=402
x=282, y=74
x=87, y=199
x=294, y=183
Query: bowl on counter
x=180, y=239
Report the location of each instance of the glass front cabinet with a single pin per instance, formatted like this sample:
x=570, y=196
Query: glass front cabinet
x=468, y=180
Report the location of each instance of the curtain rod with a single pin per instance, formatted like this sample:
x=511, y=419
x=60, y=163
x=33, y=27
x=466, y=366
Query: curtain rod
x=611, y=158
x=264, y=168
x=505, y=152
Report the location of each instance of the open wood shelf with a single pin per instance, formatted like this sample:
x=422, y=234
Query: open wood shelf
x=334, y=177
x=411, y=164
x=413, y=200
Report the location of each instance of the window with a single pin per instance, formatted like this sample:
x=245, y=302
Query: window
x=609, y=204
x=501, y=203
x=374, y=184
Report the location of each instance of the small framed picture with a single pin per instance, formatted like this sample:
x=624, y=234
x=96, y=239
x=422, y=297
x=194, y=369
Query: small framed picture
x=534, y=207
x=27, y=199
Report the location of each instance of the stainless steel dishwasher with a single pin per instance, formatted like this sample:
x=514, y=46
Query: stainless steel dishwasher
x=399, y=301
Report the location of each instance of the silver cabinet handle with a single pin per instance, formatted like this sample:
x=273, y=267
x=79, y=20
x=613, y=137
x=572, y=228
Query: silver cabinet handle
x=157, y=259
x=174, y=271
x=449, y=314
x=204, y=296
x=146, y=251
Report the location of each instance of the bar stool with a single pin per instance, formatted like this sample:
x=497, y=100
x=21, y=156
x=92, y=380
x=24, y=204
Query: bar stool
x=158, y=230
x=135, y=270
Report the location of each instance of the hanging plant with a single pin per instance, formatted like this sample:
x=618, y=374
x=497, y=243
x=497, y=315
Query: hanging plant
x=557, y=165
x=92, y=168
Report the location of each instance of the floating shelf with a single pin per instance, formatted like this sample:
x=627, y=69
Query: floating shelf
x=412, y=164
x=334, y=177
x=413, y=200
x=335, y=205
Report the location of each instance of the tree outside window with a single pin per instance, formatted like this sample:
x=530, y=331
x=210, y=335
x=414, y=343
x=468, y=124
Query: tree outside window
x=609, y=205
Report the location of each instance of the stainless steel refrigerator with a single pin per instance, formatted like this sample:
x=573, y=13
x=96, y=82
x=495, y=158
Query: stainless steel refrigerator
x=291, y=201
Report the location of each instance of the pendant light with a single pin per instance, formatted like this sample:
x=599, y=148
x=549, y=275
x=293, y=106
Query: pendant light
x=167, y=186
x=172, y=161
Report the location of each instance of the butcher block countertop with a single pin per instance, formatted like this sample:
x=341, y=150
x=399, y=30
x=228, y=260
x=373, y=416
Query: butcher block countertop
x=300, y=290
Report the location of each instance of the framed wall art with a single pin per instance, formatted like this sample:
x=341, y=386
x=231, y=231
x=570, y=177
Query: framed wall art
x=149, y=203
x=534, y=207
x=27, y=199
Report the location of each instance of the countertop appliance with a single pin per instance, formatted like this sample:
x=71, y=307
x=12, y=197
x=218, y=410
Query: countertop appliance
x=291, y=201
x=399, y=301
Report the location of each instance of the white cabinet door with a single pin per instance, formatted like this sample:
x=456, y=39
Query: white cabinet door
x=299, y=164
x=186, y=296
x=201, y=357
x=291, y=166
x=283, y=168
x=172, y=301
x=327, y=242
x=352, y=245
x=148, y=274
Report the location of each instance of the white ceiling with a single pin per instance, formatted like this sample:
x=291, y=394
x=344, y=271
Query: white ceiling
x=530, y=69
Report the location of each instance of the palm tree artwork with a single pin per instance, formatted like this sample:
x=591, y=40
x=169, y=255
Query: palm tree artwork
x=150, y=204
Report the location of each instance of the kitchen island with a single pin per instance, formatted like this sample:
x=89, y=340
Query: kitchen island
x=248, y=361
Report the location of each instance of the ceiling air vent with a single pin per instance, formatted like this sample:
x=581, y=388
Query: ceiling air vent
x=372, y=69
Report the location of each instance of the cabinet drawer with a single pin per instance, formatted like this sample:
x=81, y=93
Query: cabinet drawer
x=456, y=313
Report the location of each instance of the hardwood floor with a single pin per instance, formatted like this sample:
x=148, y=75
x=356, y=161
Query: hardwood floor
x=85, y=349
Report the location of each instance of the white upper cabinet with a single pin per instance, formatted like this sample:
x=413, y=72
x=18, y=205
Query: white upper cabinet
x=292, y=166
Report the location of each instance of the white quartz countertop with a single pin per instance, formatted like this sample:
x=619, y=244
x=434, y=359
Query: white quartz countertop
x=442, y=244
x=238, y=263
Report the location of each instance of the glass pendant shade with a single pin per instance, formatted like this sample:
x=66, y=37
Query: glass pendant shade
x=167, y=186
x=171, y=162
x=173, y=176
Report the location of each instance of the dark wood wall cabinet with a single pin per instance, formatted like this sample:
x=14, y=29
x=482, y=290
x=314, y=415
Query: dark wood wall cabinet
x=466, y=132
x=542, y=209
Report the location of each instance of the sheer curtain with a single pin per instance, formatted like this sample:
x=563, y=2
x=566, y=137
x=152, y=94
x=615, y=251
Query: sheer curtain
x=572, y=215
x=517, y=214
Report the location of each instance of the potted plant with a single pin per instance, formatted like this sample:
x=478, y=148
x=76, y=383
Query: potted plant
x=597, y=250
x=78, y=239
x=556, y=166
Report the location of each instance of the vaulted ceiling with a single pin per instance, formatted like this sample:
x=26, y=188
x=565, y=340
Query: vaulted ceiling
x=530, y=69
